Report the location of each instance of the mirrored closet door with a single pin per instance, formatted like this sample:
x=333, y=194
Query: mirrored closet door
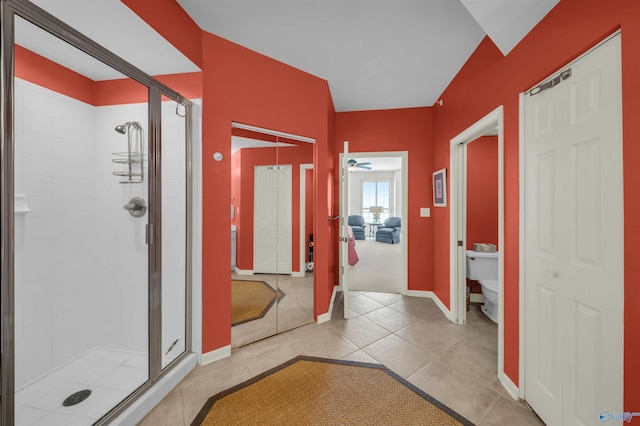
x=272, y=228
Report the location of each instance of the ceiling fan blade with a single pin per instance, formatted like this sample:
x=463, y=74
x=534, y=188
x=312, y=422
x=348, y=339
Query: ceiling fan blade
x=361, y=166
x=366, y=163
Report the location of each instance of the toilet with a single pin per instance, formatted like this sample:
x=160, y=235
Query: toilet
x=483, y=267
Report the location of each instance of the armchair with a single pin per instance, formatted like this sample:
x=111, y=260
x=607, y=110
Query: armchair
x=389, y=232
x=356, y=223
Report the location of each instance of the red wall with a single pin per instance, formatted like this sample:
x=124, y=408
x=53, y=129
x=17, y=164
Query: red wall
x=39, y=70
x=128, y=91
x=482, y=191
x=169, y=19
x=400, y=130
x=487, y=80
x=243, y=86
x=249, y=158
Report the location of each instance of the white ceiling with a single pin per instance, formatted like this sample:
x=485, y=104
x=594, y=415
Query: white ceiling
x=378, y=164
x=375, y=54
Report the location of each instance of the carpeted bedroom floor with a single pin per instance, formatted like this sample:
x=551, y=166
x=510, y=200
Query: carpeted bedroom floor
x=379, y=268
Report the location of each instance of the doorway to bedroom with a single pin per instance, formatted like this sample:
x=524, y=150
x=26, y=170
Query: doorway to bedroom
x=377, y=206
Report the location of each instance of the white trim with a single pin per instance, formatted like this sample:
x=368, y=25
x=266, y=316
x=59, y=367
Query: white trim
x=521, y=162
x=196, y=232
x=243, y=271
x=296, y=274
x=404, y=230
x=303, y=212
x=272, y=132
x=327, y=315
x=435, y=298
x=216, y=355
x=147, y=401
x=511, y=388
x=457, y=267
x=501, y=206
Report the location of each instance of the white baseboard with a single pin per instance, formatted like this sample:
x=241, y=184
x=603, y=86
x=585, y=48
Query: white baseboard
x=509, y=385
x=216, y=355
x=327, y=315
x=434, y=297
x=243, y=271
x=296, y=274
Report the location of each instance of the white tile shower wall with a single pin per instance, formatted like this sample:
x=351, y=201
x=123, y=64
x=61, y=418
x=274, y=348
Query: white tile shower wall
x=81, y=258
x=125, y=252
x=54, y=242
x=123, y=258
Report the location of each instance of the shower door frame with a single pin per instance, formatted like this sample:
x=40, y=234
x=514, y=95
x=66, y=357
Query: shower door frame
x=46, y=21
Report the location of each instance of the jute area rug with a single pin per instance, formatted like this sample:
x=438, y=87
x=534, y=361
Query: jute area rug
x=251, y=300
x=318, y=391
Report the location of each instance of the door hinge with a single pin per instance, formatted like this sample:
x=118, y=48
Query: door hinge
x=460, y=243
x=149, y=233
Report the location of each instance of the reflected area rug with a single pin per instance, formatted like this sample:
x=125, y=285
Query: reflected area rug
x=251, y=300
x=318, y=391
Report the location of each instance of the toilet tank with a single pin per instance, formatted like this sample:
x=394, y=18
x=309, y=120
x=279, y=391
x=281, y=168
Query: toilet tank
x=482, y=266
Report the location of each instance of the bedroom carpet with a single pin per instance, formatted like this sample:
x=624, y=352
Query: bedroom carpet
x=379, y=268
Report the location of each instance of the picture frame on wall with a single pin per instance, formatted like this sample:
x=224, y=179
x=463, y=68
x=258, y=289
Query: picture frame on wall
x=440, y=188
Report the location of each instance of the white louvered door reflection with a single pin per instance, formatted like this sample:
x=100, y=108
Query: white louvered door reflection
x=272, y=220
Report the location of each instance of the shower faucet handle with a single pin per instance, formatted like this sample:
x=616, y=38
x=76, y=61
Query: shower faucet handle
x=136, y=206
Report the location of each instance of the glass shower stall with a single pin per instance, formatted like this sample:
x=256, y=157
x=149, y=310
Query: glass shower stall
x=96, y=184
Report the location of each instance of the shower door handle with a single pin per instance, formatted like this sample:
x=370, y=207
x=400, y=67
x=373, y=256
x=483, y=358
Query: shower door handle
x=149, y=234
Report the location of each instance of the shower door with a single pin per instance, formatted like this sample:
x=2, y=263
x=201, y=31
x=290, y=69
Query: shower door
x=95, y=282
x=81, y=256
x=175, y=242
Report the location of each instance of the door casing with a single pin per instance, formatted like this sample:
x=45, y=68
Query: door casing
x=458, y=218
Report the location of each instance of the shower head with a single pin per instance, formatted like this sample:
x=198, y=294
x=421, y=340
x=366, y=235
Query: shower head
x=121, y=128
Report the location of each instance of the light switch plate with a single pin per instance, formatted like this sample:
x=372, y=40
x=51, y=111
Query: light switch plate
x=425, y=212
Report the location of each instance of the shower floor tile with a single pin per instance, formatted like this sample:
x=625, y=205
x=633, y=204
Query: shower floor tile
x=110, y=374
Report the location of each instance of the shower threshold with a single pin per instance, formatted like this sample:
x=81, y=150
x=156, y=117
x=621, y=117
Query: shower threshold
x=109, y=374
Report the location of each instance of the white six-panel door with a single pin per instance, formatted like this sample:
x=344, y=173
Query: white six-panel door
x=573, y=241
x=272, y=229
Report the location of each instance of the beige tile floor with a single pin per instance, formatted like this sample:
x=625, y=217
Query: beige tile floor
x=453, y=363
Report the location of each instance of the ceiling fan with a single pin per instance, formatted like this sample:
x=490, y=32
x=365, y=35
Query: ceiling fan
x=353, y=164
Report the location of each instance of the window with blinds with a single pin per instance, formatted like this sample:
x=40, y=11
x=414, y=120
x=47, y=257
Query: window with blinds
x=376, y=199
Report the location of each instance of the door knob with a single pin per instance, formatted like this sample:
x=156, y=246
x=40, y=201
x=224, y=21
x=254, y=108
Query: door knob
x=552, y=274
